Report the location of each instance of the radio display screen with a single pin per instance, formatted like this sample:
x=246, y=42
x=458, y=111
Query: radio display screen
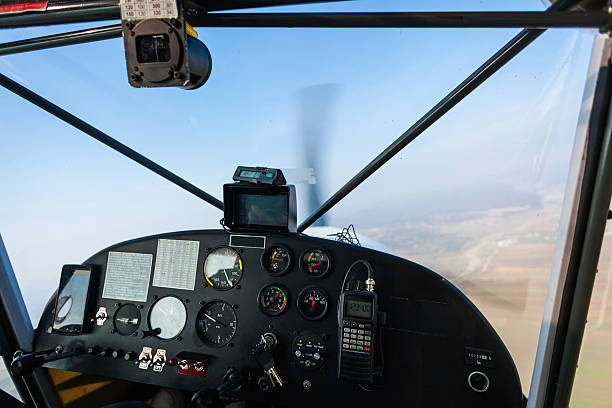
x=262, y=209
x=358, y=308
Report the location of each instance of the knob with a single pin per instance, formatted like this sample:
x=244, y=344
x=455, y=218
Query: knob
x=298, y=353
x=478, y=381
x=316, y=356
x=106, y=352
x=118, y=353
x=129, y=356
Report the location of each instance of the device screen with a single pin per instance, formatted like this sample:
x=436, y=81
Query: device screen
x=358, y=308
x=256, y=209
x=71, y=301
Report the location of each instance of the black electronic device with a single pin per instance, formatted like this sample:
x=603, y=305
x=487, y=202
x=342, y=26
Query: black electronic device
x=261, y=175
x=251, y=205
x=71, y=304
x=358, y=330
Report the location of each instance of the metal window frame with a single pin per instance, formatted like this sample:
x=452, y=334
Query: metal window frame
x=580, y=224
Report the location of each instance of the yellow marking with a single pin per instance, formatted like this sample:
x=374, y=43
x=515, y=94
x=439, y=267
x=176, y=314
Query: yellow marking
x=190, y=31
x=74, y=393
x=240, y=263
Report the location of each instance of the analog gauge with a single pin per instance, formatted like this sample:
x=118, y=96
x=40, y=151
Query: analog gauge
x=312, y=303
x=272, y=299
x=316, y=263
x=276, y=260
x=216, y=323
x=127, y=319
x=223, y=268
x=168, y=315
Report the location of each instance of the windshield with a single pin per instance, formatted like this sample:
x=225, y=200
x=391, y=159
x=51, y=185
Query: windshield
x=476, y=198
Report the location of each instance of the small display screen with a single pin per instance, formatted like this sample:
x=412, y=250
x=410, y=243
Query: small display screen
x=71, y=301
x=256, y=209
x=358, y=308
x=249, y=174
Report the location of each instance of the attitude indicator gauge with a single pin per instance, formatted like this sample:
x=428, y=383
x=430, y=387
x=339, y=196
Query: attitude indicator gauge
x=223, y=268
x=276, y=260
x=216, y=323
x=312, y=303
x=316, y=263
x=273, y=299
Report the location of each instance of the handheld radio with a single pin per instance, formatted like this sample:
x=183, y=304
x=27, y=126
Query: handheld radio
x=358, y=330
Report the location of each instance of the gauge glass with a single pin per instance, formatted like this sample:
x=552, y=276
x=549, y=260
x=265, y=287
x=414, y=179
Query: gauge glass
x=216, y=323
x=223, y=268
x=273, y=299
x=64, y=309
x=316, y=263
x=276, y=260
x=169, y=315
x=312, y=303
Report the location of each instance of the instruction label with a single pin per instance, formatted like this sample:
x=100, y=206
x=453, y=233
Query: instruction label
x=127, y=276
x=176, y=264
x=145, y=9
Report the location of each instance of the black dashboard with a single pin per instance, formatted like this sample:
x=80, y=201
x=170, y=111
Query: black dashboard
x=178, y=310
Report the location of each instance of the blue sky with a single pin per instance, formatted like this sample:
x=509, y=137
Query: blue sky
x=65, y=196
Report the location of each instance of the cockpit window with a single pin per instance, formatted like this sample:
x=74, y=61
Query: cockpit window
x=476, y=198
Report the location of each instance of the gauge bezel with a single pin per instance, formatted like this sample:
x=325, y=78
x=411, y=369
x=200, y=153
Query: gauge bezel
x=206, y=341
x=207, y=282
x=304, y=268
x=298, y=303
x=287, y=302
x=151, y=310
x=139, y=319
x=264, y=256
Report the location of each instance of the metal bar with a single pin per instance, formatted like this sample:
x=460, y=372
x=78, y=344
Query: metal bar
x=104, y=10
x=104, y=138
x=58, y=40
x=572, y=224
x=589, y=259
x=492, y=65
x=535, y=19
x=17, y=333
x=61, y=15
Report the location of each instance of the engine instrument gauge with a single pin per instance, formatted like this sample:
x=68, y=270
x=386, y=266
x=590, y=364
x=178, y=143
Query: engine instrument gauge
x=223, y=268
x=276, y=260
x=316, y=263
x=273, y=299
x=168, y=315
x=127, y=319
x=216, y=323
x=312, y=303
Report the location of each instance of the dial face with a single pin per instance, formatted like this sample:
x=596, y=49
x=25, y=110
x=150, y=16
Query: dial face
x=168, y=315
x=127, y=319
x=223, y=268
x=273, y=299
x=216, y=323
x=276, y=260
x=316, y=263
x=312, y=303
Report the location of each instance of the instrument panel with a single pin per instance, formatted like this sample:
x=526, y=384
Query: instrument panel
x=178, y=310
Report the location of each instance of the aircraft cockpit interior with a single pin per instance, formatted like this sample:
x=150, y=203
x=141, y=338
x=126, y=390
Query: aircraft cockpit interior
x=260, y=313
x=262, y=310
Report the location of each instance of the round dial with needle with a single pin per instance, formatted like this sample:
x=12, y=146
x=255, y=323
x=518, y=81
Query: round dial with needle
x=216, y=323
x=276, y=260
x=312, y=303
x=223, y=268
x=273, y=299
x=316, y=263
